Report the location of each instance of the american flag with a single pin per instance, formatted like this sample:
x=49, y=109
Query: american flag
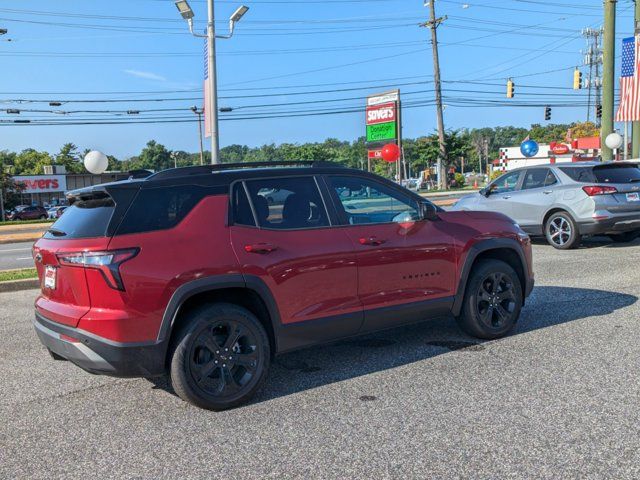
x=629, y=108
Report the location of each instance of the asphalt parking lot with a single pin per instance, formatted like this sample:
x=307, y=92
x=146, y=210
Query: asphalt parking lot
x=557, y=398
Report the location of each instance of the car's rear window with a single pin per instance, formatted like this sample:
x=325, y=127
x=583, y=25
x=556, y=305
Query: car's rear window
x=617, y=174
x=86, y=218
x=604, y=174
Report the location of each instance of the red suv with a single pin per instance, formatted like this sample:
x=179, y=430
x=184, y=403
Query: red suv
x=203, y=274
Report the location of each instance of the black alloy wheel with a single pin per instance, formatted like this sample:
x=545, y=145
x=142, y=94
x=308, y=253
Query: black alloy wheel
x=221, y=357
x=492, y=300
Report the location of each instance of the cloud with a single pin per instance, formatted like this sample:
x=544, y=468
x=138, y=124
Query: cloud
x=146, y=75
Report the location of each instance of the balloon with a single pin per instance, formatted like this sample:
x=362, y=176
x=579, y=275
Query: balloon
x=614, y=140
x=390, y=152
x=529, y=148
x=96, y=162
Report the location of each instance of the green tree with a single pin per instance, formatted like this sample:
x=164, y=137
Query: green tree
x=154, y=156
x=31, y=162
x=69, y=157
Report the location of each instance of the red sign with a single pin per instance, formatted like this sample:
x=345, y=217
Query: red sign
x=374, y=154
x=560, y=149
x=383, y=113
x=42, y=183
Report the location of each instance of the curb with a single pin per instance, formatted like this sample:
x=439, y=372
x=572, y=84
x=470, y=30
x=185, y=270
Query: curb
x=31, y=238
x=16, y=285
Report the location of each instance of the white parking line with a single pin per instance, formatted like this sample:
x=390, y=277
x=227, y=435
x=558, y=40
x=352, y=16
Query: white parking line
x=15, y=250
x=24, y=258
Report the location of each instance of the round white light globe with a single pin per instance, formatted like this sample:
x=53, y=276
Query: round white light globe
x=614, y=140
x=96, y=162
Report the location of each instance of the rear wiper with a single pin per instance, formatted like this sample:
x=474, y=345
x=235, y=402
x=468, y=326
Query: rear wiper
x=56, y=233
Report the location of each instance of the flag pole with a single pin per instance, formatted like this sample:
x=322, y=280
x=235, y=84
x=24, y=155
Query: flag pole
x=626, y=141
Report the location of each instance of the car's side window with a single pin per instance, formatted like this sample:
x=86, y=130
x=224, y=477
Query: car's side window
x=242, y=213
x=506, y=183
x=551, y=179
x=287, y=203
x=365, y=201
x=535, y=178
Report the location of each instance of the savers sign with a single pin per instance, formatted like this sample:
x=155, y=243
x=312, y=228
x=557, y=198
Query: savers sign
x=385, y=112
x=42, y=183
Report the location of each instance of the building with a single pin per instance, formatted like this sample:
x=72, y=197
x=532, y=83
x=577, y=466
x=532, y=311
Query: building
x=50, y=189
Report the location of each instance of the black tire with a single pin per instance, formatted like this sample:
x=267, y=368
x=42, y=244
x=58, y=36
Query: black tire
x=205, y=367
x=492, y=300
x=43, y=217
x=562, y=232
x=625, y=236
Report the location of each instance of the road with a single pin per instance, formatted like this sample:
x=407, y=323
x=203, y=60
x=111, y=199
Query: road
x=556, y=399
x=15, y=255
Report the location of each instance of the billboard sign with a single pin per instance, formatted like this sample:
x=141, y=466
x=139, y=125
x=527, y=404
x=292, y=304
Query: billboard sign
x=382, y=131
x=42, y=183
x=385, y=112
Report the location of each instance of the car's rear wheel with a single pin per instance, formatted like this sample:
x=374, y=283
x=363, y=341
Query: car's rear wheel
x=625, y=236
x=220, y=357
x=43, y=217
x=562, y=232
x=492, y=300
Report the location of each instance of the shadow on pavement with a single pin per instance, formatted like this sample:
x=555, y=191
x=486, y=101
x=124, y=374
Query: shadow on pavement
x=354, y=357
x=592, y=242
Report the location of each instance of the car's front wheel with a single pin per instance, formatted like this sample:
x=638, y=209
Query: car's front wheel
x=562, y=232
x=492, y=300
x=220, y=358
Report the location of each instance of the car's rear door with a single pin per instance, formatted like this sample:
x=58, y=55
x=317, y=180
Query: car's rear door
x=402, y=261
x=289, y=243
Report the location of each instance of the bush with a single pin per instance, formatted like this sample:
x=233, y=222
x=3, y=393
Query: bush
x=496, y=173
x=459, y=179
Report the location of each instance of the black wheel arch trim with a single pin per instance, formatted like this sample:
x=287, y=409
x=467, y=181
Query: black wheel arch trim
x=479, y=248
x=218, y=282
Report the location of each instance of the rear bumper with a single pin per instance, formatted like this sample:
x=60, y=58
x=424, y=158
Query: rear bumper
x=611, y=225
x=99, y=355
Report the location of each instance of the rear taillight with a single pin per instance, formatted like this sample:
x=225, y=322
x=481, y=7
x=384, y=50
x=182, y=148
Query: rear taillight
x=107, y=262
x=593, y=190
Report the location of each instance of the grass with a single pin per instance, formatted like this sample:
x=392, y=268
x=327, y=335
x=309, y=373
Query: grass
x=21, y=274
x=22, y=222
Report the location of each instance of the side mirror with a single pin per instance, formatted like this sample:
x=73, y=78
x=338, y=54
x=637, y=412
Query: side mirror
x=486, y=191
x=428, y=211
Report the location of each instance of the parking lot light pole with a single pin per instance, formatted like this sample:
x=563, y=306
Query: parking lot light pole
x=212, y=105
x=198, y=112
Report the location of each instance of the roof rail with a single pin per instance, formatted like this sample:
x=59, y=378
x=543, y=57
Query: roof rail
x=139, y=173
x=204, y=169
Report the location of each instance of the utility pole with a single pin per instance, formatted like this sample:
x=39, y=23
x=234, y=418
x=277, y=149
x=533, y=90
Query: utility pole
x=593, y=60
x=433, y=24
x=608, y=75
x=212, y=105
x=635, y=129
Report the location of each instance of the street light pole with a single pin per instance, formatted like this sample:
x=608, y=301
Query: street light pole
x=213, y=84
x=212, y=105
x=195, y=110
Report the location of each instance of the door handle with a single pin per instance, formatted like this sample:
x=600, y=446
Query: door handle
x=547, y=192
x=260, y=248
x=375, y=241
x=507, y=197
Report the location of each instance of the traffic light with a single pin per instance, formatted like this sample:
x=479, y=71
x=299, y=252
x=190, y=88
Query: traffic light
x=577, y=79
x=547, y=113
x=511, y=87
x=598, y=111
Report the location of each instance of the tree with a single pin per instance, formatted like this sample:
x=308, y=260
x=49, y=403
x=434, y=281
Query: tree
x=9, y=192
x=154, y=156
x=69, y=157
x=31, y=162
x=584, y=129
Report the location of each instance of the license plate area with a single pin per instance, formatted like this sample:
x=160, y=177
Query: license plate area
x=50, y=277
x=633, y=197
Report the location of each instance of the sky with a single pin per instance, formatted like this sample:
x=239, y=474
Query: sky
x=295, y=70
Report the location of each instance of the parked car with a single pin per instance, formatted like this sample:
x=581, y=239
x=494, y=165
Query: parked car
x=29, y=213
x=567, y=201
x=191, y=272
x=55, y=212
